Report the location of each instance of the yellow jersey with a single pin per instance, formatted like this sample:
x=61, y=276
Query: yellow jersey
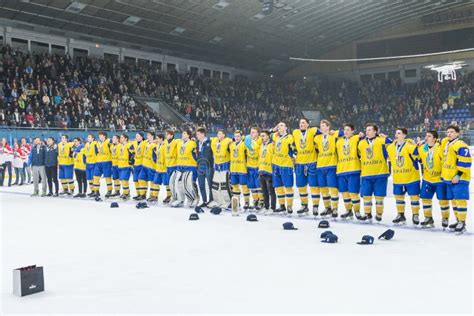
x=456, y=160
x=65, y=151
x=103, y=151
x=253, y=151
x=221, y=152
x=238, y=157
x=139, y=151
x=284, y=150
x=431, y=161
x=80, y=158
x=114, y=154
x=348, y=161
x=91, y=156
x=171, y=152
x=187, y=156
x=149, y=156
x=404, y=162
x=126, y=154
x=305, y=146
x=373, y=157
x=160, y=153
x=326, y=148
x=265, y=159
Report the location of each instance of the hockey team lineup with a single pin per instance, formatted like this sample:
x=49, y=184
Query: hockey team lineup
x=327, y=166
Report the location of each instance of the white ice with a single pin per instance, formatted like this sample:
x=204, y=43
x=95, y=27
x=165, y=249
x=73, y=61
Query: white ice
x=99, y=259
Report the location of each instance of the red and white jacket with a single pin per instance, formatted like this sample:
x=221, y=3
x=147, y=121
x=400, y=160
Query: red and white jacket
x=20, y=157
x=7, y=153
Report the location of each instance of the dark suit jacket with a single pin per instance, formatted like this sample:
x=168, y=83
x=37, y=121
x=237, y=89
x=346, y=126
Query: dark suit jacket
x=204, y=155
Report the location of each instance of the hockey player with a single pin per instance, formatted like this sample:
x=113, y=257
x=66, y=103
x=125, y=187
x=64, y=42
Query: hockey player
x=265, y=172
x=66, y=165
x=170, y=160
x=326, y=167
x=160, y=167
x=103, y=165
x=115, y=170
x=147, y=174
x=431, y=159
x=348, y=171
x=403, y=157
x=126, y=154
x=282, y=167
x=80, y=167
x=305, y=166
x=183, y=180
x=374, y=170
x=137, y=167
x=238, y=169
x=90, y=149
x=456, y=173
x=253, y=143
x=220, y=183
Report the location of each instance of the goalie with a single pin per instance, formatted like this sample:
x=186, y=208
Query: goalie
x=220, y=181
x=183, y=180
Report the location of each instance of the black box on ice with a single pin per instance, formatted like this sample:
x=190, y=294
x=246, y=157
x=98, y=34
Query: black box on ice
x=28, y=280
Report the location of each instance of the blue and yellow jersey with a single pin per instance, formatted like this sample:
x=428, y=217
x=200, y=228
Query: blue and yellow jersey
x=221, y=151
x=104, y=150
x=65, y=151
x=238, y=157
x=171, y=152
x=404, y=162
x=139, y=151
x=348, y=161
x=149, y=156
x=284, y=150
x=456, y=159
x=265, y=159
x=326, y=150
x=431, y=160
x=80, y=158
x=253, y=151
x=373, y=157
x=126, y=153
x=91, y=155
x=187, y=156
x=160, y=153
x=305, y=146
x=114, y=154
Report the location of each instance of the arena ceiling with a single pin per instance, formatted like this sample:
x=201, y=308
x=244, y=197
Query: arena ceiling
x=230, y=32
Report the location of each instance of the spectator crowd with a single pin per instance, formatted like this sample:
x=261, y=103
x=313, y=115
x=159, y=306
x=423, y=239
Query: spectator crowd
x=44, y=91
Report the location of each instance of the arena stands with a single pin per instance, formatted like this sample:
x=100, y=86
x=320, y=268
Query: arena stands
x=61, y=92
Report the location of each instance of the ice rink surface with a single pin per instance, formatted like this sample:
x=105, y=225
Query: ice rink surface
x=99, y=259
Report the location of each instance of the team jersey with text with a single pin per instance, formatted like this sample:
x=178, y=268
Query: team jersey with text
x=221, y=150
x=238, y=157
x=65, y=151
x=348, y=161
x=125, y=154
x=284, y=150
x=171, y=156
x=432, y=162
x=91, y=156
x=103, y=150
x=305, y=146
x=160, y=152
x=456, y=158
x=326, y=148
x=404, y=162
x=187, y=156
x=373, y=157
x=265, y=159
